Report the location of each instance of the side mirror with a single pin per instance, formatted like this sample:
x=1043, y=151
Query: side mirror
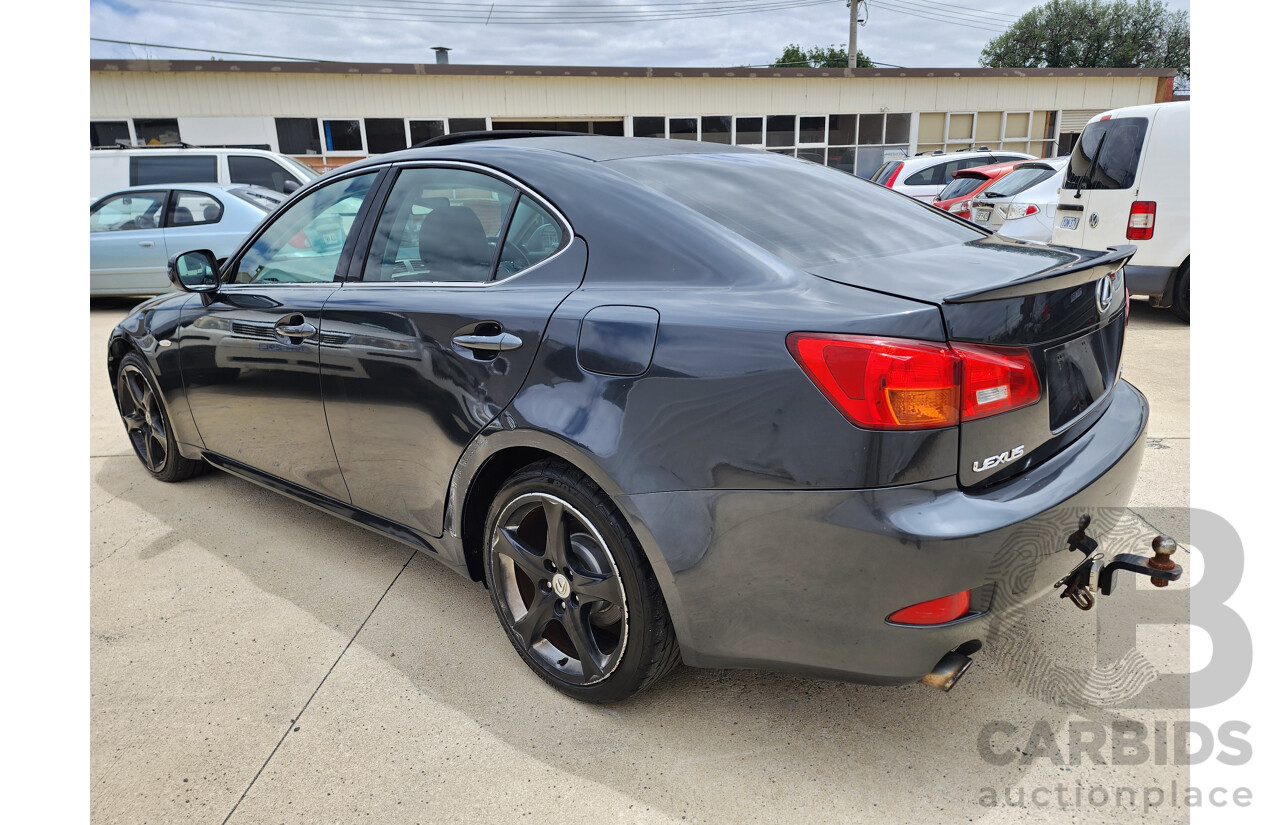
x=291, y=186
x=195, y=271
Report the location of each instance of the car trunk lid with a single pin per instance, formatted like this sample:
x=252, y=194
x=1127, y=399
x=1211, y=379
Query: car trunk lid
x=1052, y=302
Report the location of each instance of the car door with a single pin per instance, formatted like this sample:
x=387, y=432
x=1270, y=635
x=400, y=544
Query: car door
x=127, y=252
x=1098, y=190
x=462, y=272
x=250, y=352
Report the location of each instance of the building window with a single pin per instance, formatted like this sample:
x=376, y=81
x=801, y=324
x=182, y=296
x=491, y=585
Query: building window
x=342, y=136
x=717, y=129
x=749, y=131
x=384, y=134
x=420, y=130
x=683, y=128
x=109, y=133
x=654, y=127
x=1029, y=132
x=780, y=131
x=298, y=136
x=467, y=124
x=157, y=131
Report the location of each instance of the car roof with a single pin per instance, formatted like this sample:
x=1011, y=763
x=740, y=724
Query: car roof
x=1143, y=110
x=194, y=187
x=596, y=148
x=929, y=160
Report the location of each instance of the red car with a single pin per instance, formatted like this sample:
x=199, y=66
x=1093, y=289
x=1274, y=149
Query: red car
x=957, y=197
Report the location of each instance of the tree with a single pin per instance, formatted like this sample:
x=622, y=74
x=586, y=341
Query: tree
x=1089, y=33
x=817, y=57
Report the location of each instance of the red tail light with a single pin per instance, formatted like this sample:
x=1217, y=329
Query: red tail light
x=1142, y=221
x=893, y=176
x=996, y=380
x=934, y=611
x=896, y=384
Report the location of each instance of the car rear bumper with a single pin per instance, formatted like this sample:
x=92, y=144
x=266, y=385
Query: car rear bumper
x=1148, y=280
x=804, y=580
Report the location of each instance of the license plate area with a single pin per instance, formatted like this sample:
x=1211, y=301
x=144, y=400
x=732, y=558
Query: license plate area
x=1081, y=372
x=1070, y=222
x=982, y=215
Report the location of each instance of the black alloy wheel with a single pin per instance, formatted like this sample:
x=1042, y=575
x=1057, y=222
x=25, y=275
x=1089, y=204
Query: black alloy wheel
x=147, y=424
x=572, y=589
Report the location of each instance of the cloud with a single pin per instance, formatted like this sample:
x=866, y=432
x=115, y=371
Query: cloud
x=901, y=32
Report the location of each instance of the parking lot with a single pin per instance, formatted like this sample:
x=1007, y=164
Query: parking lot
x=255, y=660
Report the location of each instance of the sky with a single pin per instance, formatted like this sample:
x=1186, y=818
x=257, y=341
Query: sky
x=909, y=33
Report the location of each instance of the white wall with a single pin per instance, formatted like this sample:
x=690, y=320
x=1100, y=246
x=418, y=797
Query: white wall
x=224, y=131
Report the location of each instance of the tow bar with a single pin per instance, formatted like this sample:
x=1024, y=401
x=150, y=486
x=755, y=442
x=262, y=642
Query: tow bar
x=1091, y=576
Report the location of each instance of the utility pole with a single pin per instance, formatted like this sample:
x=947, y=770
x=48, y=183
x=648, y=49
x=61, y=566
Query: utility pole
x=853, y=34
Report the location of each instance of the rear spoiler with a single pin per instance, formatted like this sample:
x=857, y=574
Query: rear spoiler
x=1060, y=277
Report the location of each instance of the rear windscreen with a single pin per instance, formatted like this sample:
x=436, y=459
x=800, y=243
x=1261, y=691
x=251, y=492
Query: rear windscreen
x=1017, y=181
x=959, y=187
x=801, y=212
x=1107, y=154
x=885, y=172
x=173, y=169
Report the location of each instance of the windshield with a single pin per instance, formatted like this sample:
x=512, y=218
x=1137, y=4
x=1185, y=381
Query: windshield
x=1116, y=145
x=1017, y=181
x=801, y=212
x=962, y=186
x=304, y=172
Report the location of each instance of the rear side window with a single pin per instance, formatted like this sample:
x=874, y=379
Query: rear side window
x=1107, y=154
x=533, y=237
x=193, y=209
x=256, y=171
x=805, y=214
x=961, y=187
x=148, y=170
x=885, y=172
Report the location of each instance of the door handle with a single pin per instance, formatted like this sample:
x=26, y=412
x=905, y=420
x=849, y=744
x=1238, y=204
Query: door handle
x=502, y=342
x=147, y=244
x=292, y=331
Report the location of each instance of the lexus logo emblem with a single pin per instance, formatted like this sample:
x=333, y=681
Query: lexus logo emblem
x=1105, y=292
x=1093, y=221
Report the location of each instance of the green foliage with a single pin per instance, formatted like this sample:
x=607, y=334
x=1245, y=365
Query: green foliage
x=819, y=57
x=1095, y=33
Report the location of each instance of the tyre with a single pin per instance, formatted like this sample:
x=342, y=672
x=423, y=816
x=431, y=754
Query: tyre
x=1181, y=302
x=146, y=422
x=572, y=588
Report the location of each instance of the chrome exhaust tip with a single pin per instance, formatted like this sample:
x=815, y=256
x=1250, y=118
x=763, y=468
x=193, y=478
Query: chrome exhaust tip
x=948, y=671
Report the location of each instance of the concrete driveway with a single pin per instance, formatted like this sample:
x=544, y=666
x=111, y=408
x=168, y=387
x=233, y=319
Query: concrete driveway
x=255, y=660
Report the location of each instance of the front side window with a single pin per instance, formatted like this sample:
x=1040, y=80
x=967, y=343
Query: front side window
x=253, y=170
x=127, y=211
x=193, y=208
x=439, y=225
x=304, y=244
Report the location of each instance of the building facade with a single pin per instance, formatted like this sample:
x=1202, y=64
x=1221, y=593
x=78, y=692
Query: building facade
x=328, y=114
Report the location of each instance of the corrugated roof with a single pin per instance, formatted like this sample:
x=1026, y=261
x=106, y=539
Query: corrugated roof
x=466, y=70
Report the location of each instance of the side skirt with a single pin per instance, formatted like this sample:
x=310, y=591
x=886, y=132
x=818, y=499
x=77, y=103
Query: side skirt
x=341, y=509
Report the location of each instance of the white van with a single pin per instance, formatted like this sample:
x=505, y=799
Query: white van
x=114, y=169
x=1129, y=182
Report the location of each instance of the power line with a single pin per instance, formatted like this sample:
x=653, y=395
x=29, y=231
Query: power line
x=208, y=51
x=492, y=13
x=937, y=18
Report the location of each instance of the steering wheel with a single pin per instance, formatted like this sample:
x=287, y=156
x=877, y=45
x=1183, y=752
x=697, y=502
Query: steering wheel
x=514, y=259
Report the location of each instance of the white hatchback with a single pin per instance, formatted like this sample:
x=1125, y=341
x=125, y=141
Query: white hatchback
x=1022, y=203
x=923, y=177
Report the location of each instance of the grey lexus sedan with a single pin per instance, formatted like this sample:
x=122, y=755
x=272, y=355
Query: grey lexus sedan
x=669, y=401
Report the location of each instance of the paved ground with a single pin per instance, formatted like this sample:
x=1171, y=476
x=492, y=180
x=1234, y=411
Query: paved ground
x=254, y=660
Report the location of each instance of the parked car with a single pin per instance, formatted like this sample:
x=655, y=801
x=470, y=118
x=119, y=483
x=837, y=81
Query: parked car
x=924, y=176
x=1127, y=163
x=957, y=197
x=113, y=169
x=1025, y=201
x=132, y=232
x=778, y=417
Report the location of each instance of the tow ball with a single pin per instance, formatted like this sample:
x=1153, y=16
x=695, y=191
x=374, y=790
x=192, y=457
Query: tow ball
x=1092, y=576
